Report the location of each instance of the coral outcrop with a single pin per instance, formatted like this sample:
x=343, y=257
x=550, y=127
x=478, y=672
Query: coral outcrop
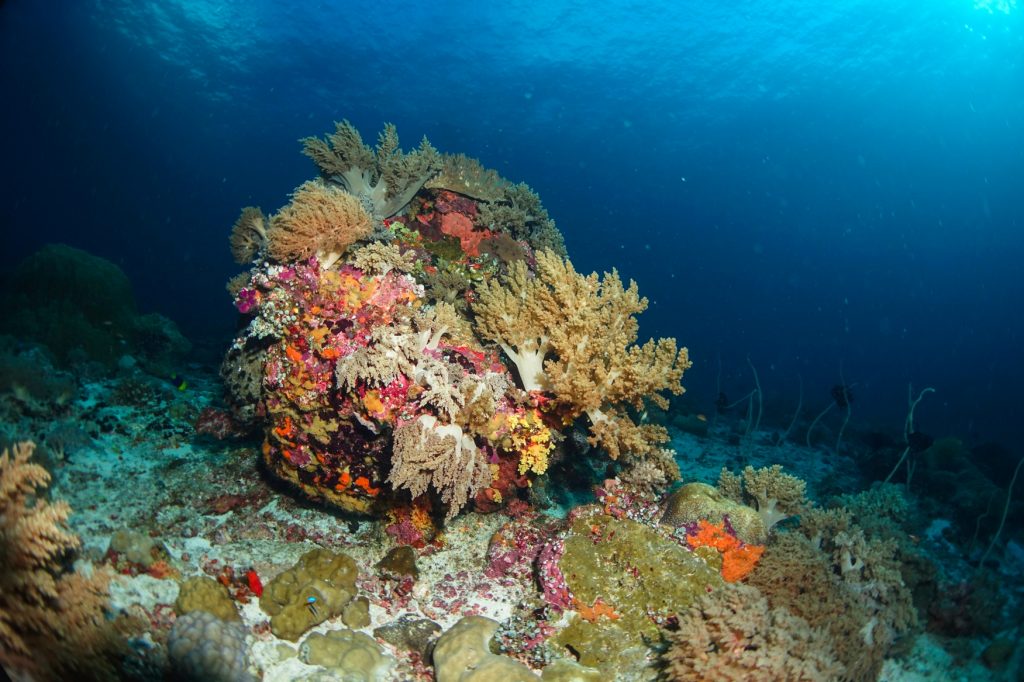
x=379, y=343
x=204, y=647
x=462, y=654
x=82, y=308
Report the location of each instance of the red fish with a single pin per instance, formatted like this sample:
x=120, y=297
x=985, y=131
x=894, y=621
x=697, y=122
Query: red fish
x=254, y=582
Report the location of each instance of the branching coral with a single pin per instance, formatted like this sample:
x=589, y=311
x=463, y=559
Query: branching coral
x=320, y=221
x=835, y=578
x=35, y=539
x=249, y=235
x=384, y=179
x=776, y=496
x=818, y=524
x=733, y=634
x=870, y=570
x=794, y=575
x=42, y=604
x=573, y=336
x=520, y=214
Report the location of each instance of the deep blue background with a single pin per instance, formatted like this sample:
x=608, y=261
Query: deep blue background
x=812, y=185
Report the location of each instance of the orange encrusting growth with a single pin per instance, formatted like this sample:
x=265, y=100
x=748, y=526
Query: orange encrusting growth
x=593, y=613
x=738, y=559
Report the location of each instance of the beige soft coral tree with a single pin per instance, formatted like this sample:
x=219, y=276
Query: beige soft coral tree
x=321, y=220
x=573, y=336
x=42, y=602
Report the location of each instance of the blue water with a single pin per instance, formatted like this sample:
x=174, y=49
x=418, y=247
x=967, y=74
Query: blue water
x=820, y=187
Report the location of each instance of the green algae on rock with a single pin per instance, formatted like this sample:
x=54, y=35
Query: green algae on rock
x=626, y=579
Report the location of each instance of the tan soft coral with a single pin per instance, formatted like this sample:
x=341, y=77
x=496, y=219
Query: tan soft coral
x=574, y=337
x=465, y=175
x=249, y=235
x=429, y=454
x=43, y=605
x=734, y=634
x=320, y=221
x=775, y=495
x=384, y=179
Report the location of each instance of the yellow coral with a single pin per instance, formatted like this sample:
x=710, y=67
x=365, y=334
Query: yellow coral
x=373, y=403
x=574, y=337
x=528, y=436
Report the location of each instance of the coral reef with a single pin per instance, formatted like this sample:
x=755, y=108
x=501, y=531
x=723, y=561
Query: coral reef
x=415, y=342
x=377, y=374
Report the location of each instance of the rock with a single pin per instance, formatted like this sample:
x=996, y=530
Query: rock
x=399, y=562
x=410, y=633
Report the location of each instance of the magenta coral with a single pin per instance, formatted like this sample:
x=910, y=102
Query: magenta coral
x=556, y=591
x=513, y=550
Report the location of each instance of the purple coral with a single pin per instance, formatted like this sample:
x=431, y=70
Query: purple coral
x=552, y=580
x=246, y=301
x=513, y=550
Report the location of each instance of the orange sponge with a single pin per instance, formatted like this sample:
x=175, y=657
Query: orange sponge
x=738, y=560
